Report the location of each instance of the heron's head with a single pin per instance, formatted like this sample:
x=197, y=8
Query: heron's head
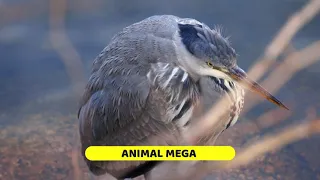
x=208, y=53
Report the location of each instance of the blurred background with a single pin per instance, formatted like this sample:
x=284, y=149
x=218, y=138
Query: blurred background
x=46, y=51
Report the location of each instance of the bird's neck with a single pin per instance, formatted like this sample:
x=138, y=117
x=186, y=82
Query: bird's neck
x=185, y=60
x=231, y=87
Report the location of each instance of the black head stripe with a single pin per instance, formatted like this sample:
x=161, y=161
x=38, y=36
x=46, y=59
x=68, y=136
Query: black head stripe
x=188, y=34
x=201, y=41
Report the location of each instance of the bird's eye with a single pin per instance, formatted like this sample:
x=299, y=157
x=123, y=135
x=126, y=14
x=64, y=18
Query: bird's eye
x=209, y=64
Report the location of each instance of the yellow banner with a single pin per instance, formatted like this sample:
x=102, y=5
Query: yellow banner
x=160, y=153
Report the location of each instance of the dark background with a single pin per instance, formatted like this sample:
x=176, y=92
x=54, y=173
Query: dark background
x=38, y=105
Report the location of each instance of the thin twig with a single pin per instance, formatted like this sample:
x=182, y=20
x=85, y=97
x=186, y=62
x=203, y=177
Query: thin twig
x=272, y=118
x=70, y=58
x=275, y=142
x=266, y=120
x=283, y=38
x=282, y=74
x=61, y=43
x=269, y=143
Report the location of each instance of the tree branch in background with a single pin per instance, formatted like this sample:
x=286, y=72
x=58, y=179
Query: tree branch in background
x=274, y=142
x=272, y=118
x=266, y=120
x=283, y=38
x=292, y=64
x=71, y=60
x=267, y=144
x=63, y=45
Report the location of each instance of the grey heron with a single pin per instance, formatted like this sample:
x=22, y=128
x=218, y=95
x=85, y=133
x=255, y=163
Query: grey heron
x=147, y=82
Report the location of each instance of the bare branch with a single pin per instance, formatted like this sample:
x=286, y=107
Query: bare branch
x=274, y=142
x=272, y=117
x=291, y=65
x=268, y=144
x=281, y=41
x=63, y=46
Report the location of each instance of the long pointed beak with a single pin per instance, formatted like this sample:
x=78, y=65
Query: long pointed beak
x=240, y=76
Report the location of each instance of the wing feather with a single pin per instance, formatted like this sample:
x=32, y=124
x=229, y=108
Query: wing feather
x=121, y=106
